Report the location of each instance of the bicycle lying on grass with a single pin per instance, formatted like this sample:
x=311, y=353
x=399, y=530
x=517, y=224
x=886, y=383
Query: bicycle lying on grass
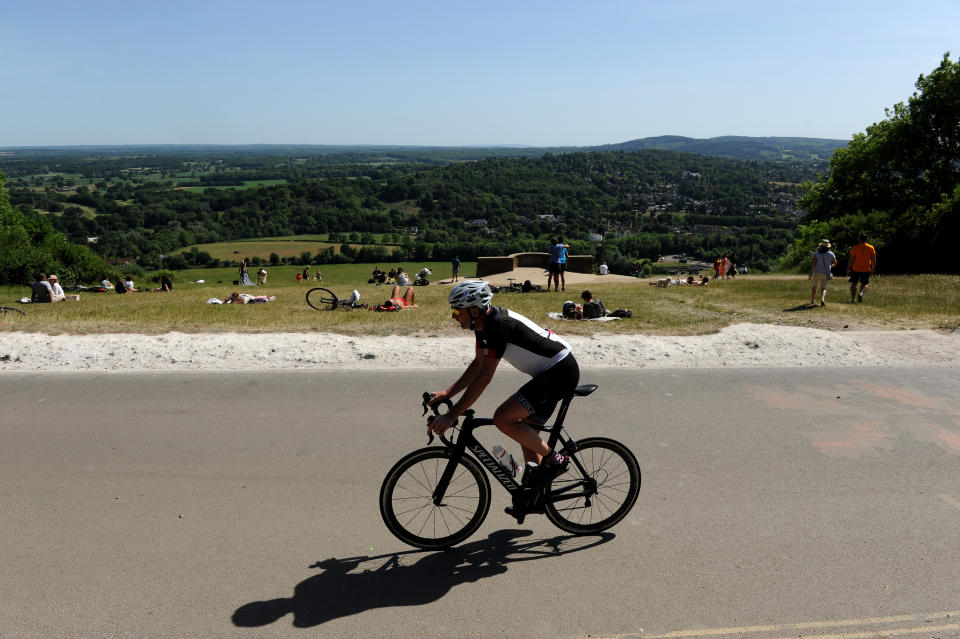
x=514, y=287
x=323, y=299
x=438, y=496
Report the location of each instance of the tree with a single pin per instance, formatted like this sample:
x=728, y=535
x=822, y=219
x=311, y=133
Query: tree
x=902, y=177
x=30, y=244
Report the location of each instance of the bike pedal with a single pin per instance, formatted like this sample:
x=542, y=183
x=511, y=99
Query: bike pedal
x=517, y=514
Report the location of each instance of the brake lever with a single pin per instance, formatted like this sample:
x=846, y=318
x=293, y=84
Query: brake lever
x=442, y=437
x=427, y=398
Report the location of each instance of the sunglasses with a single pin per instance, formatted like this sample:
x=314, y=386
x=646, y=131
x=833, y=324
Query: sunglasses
x=457, y=311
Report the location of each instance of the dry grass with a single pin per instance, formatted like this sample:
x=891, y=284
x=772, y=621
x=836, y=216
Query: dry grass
x=894, y=302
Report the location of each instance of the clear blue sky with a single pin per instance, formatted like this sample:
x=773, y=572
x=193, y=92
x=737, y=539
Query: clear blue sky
x=457, y=73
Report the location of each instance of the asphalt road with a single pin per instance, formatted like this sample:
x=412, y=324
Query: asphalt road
x=775, y=503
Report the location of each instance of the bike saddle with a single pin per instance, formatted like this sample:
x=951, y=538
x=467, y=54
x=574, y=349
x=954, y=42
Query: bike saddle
x=583, y=391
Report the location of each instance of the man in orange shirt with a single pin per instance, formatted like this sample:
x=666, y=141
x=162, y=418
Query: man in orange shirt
x=861, y=264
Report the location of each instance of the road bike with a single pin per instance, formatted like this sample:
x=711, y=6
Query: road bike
x=323, y=299
x=438, y=496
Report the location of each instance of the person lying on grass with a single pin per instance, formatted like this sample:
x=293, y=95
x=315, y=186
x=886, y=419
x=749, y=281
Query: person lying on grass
x=243, y=298
x=398, y=302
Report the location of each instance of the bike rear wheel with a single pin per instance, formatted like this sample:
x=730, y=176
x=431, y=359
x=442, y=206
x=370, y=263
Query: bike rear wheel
x=9, y=309
x=406, y=499
x=616, y=473
x=323, y=299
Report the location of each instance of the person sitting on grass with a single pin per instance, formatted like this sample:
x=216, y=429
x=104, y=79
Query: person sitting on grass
x=40, y=291
x=128, y=284
x=58, y=294
x=592, y=307
x=572, y=310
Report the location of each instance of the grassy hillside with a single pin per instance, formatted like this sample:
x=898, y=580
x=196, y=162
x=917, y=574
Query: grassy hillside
x=895, y=302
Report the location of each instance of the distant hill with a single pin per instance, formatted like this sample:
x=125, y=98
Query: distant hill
x=799, y=150
x=736, y=147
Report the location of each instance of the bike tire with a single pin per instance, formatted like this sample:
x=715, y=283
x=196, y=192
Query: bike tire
x=406, y=499
x=323, y=299
x=617, y=474
x=9, y=309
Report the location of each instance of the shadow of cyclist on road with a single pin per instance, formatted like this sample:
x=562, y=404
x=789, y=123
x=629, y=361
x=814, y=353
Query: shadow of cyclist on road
x=339, y=591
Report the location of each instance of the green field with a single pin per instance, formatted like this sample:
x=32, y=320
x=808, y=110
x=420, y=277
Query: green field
x=894, y=302
x=291, y=246
x=247, y=184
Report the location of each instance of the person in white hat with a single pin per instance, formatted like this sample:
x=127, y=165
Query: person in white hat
x=821, y=271
x=58, y=294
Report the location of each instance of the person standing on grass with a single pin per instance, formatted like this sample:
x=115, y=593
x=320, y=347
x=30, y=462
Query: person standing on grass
x=563, y=264
x=455, y=263
x=558, y=263
x=820, y=268
x=861, y=264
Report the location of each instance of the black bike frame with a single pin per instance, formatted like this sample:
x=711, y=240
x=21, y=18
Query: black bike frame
x=466, y=441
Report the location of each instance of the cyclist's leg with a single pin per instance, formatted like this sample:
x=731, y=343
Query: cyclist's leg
x=535, y=402
x=510, y=418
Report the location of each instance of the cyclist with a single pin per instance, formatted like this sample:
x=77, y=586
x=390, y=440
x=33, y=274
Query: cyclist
x=536, y=351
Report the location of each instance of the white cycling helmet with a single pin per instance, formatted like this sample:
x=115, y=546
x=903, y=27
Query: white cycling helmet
x=471, y=293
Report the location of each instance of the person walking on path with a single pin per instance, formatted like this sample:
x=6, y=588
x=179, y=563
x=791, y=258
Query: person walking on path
x=861, y=264
x=820, y=271
x=455, y=263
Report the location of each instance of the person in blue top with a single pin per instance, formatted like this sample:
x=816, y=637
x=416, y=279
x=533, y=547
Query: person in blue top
x=558, y=264
x=455, y=262
x=823, y=261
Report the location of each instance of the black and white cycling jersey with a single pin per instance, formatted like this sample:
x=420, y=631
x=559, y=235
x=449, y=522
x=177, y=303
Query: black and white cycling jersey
x=529, y=347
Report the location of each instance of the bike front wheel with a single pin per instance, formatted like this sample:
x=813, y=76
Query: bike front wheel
x=581, y=503
x=322, y=299
x=9, y=309
x=406, y=499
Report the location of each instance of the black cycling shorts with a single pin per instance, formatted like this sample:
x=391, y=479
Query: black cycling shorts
x=542, y=393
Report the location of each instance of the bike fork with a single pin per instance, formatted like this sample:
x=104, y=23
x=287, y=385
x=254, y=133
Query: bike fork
x=444, y=482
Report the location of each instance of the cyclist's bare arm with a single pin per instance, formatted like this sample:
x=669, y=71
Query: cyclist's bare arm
x=473, y=382
x=470, y=374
